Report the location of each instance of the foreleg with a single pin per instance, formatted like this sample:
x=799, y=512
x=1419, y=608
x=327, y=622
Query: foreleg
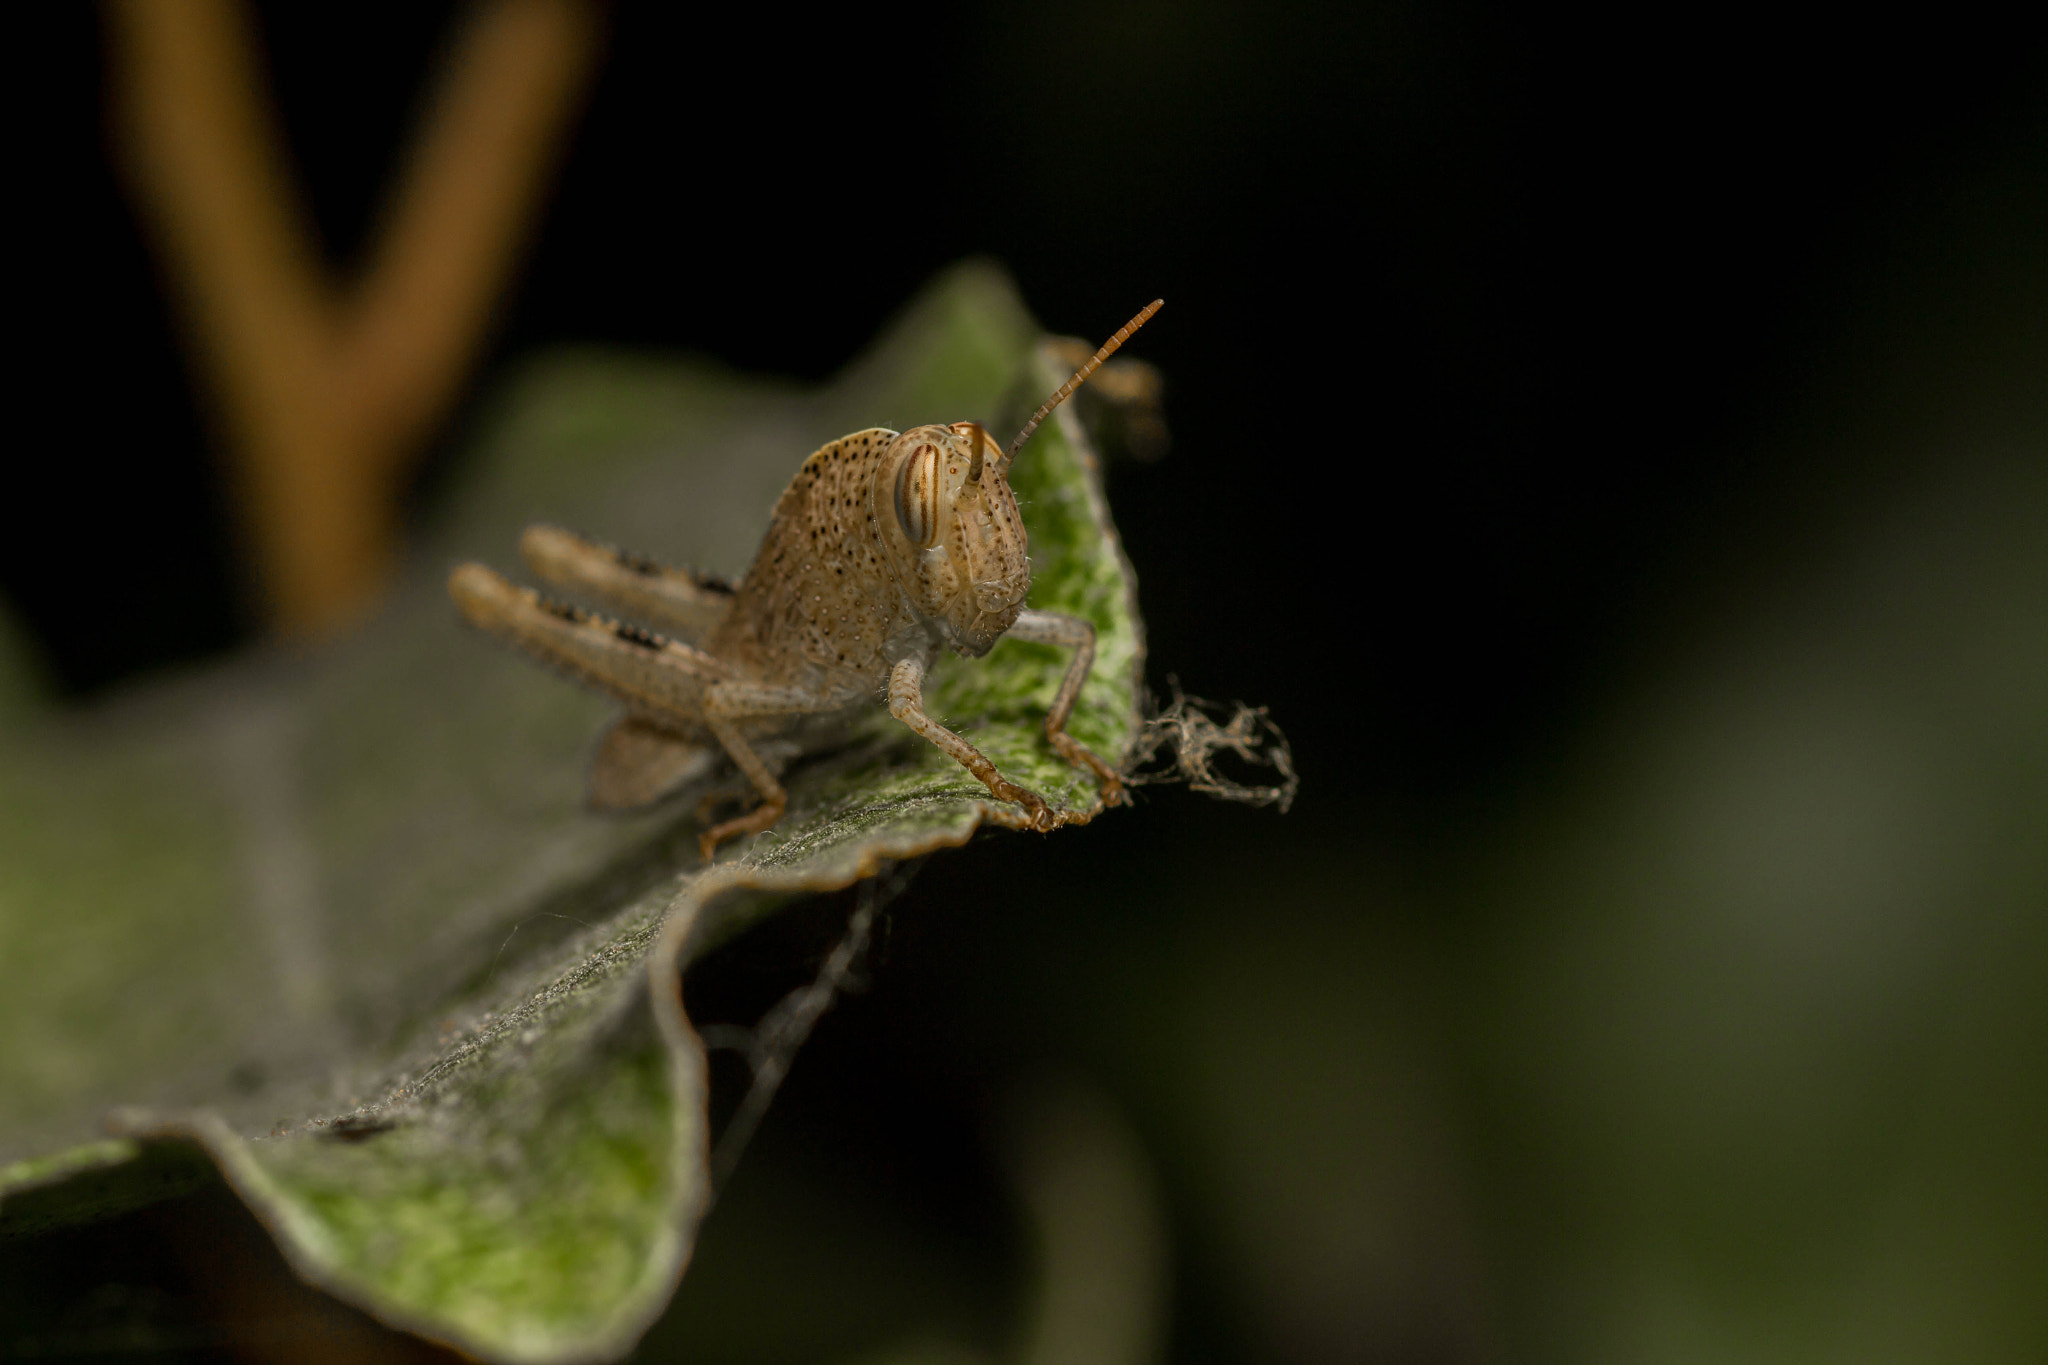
x=906, y=703
x=1052, y=628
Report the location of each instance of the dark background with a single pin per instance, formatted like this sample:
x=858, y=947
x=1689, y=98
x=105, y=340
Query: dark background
x=1475, y=319
x=1507, y=346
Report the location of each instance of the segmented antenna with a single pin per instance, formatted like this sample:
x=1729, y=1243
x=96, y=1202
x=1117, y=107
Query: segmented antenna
x=1080, y=377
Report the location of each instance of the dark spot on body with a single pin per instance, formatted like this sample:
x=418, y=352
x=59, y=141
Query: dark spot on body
x=639, y=564
x=634, y=635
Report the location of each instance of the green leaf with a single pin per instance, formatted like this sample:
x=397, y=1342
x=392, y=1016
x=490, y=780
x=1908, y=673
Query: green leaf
x=340, y=920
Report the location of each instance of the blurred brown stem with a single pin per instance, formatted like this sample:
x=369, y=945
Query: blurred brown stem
x=327, y=393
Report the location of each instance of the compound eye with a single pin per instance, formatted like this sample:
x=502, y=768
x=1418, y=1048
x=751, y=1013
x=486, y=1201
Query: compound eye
x=917, y=496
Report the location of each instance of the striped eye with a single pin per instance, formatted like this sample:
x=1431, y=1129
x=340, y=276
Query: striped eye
x=917, y=496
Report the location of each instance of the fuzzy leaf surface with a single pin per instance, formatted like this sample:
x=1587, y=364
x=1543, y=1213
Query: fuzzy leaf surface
x=340, y=922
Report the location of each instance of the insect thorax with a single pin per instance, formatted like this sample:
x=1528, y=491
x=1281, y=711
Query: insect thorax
x=819, y=601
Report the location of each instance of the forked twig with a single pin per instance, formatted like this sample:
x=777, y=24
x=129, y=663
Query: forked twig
x=327, y=392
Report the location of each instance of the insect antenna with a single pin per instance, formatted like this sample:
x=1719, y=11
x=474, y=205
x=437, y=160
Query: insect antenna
x=1080, y=377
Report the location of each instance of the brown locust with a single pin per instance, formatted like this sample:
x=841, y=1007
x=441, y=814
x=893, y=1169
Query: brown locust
x=886, y=548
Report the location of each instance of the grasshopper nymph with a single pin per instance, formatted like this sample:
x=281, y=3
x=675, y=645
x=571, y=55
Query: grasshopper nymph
x=885, y=548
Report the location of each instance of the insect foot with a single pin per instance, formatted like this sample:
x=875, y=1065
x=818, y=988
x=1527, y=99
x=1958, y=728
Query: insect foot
x=887, y=549
x=1081, y=756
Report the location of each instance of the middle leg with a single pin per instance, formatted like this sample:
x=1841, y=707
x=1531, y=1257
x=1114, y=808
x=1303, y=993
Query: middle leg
x=725, y=705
